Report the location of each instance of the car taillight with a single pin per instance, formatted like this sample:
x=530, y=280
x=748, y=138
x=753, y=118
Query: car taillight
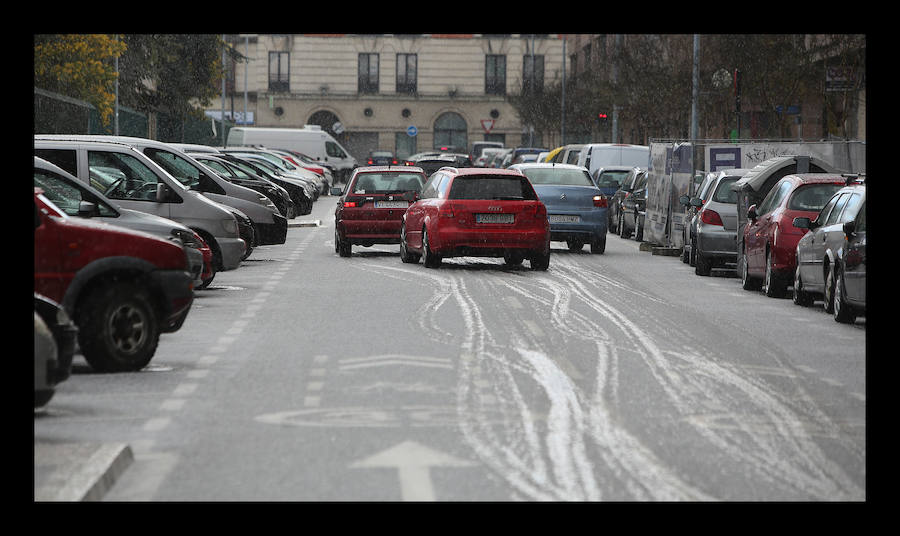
x=350, y=204
x=445, y=211
x=710, y=217
x=600, y=201
x=394, y=161
x=370, y=162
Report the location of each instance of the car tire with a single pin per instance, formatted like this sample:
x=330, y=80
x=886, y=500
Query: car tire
x=622, y=232
x=829, y=291
x=702, y=265
x=117, y=328
x=430, y=260
x=842, y=310
x=747, y=281
x=206, y=282
x=406, y=255
x=773, y=286
x=801, y=297
x=598, y=245
x=540, y=261
x=343, y=247
x=513, y=258
x=638, y=230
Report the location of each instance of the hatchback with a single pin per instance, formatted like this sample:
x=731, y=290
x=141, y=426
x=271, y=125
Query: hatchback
x=633, y=208
x=477, y=212
x=715, y=234
x=770, y=238
x=831, y=256
x=576, y=207
x=370, y=209
x=381, y=158
x=615, y=201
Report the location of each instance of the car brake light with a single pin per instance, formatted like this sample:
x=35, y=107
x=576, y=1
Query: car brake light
x=446, y=212
x=349, y=204
x=394, y=162
x=710, y=217
x=369, y=162
x=600, y=201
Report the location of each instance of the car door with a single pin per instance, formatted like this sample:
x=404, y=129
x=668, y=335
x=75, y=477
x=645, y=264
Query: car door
x=415, y=215
x=810, y=257
x=758, y=231
x=854, y=259
x=831, y=234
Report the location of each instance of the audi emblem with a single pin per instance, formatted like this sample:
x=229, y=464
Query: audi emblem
x=496, y=209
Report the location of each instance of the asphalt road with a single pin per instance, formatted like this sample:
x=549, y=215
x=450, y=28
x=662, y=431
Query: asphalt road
x=303, y=376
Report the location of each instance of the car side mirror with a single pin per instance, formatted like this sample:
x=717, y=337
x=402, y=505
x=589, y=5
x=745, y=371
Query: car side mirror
x=696, y=202
x=86, y=209
x=802, y=223
x=751, y=212
x=849, y=228
x=161, y=193
x=684, y=200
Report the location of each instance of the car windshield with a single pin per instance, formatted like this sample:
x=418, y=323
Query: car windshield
x=558, y=176
x=611, y=179
x=724, y=193
x=382, y=183
x=812, y=197
x=491, y=187
x=66, y=196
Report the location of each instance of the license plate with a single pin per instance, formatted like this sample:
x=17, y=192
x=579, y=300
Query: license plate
x=563, y=218
x=391, y=204
x=494, y=218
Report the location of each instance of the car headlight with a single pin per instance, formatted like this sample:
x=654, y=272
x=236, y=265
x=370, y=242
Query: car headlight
x=187, y=238
x=230, y=225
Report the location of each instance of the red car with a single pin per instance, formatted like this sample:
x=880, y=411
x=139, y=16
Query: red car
x=477, y=212
x=770, y=238
x=370, y=208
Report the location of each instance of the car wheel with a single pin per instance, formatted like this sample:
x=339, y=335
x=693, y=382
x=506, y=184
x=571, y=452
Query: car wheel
x=343, y=247
x=429, y=258
x=773, y=286
x=829, y=290
x=574, y=245
x=406, y=255
x=801, y=297
x=747, y=282
x=598, y=245
x=638, y=230
x=622, y=232
x=206, y=282
x=513, y=258
x=117, y=328
x=843, y=312
x=702, y=265
x=540, y=261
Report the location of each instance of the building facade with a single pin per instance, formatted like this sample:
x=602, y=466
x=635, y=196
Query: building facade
x=402, y=93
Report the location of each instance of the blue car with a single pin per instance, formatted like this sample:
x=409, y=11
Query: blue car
x=576, y=208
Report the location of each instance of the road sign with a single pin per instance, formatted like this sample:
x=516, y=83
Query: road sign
x=487, y=125
x=411, y=130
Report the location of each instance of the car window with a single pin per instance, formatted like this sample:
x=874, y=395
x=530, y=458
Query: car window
x=724, y=193
x=861, y=219
x=134, y=180
x=66, y=159
x=823, y=214
x=386, y=182
x=68, y=196
x=836, y=211
x=641, y=181
x=442, y=186
x=706, y=188
x=430, y=189
x=609, y=179
x=850, y=209
x=332, y=149
x=176, y=166
x=561, y=176
x=813, y=197
x=776, y=195
x=217, y=166
x=491, y=187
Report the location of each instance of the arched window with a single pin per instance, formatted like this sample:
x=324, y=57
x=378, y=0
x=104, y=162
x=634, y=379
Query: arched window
x=324, y=119
x=450, y=131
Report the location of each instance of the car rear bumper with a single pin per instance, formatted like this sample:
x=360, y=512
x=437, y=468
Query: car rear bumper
x=457, y=242
x=593, y=225
x=367, y=232
x=711, y=243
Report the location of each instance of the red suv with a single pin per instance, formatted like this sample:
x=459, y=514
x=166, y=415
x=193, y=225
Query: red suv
x=121, y=287
x=477, y=212
x=370, y=208
x=770, y=238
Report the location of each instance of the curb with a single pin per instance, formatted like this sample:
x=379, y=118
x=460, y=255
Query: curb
x=69, y=472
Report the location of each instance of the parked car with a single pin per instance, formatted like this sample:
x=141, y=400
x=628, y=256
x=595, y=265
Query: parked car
x=80, y=200
x=136, y=182
x=381, y=158
x=831, y=257
x=299, y=191
x=486, y=155
x=122, y=288
x=714, y=237
x=480, y=213
x=770, y=237
x=615, y=201
x=232, y=173
x=576, y=208
x=610, y=178
x=479, y=147
x=371, y=206
x=53, y=358
x=276, y=164
x=633, y=208
x=269, y=226
x=324, y=171
x=692, y=205
x=430, y=164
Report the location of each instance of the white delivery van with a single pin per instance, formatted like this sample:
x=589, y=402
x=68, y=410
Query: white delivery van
x=594, y=156
x=310, y=140
x=136, y=182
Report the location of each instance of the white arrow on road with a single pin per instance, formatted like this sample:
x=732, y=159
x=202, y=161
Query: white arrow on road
x=413, y=461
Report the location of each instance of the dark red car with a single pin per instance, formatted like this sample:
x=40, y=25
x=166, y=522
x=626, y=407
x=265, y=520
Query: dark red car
x=477, y=212
x=370, y=208
x=770, y=238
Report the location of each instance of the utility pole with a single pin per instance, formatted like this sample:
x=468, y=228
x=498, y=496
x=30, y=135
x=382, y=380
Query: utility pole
x=562, y=134
x=695, y=92
x=223, y=90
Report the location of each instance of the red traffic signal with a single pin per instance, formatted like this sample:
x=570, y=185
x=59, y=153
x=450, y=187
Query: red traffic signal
x=601, y=116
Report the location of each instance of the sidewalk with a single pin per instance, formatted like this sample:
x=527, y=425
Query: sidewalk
x=65, y=472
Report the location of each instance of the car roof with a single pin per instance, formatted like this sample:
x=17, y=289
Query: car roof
x=484, y=171
x=398, y=169
x=548, y=165
x=808, y=178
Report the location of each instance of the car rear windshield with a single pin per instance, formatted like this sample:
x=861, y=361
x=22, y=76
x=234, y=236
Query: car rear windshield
x=559, y=176
x=611, y=179
x=491, y=187
x=724, y=193
x=382, y=183
x=812, y=197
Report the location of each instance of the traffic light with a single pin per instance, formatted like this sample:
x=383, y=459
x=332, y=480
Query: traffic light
x=601, y=119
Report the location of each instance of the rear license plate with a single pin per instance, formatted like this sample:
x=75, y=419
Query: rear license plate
x=563, y=218
x=494, y=218
x=391, y=204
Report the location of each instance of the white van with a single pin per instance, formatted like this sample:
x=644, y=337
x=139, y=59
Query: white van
x=594, y=156
x=310, y=140
x=136, y=182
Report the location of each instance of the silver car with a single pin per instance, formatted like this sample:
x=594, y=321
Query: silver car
x=716, y=232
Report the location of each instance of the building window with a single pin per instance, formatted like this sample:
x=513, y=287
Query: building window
x=450, y=130
x=407, y=68
x=279, y=71
x=368, y=73
x=532, y=74
x=495, y=74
